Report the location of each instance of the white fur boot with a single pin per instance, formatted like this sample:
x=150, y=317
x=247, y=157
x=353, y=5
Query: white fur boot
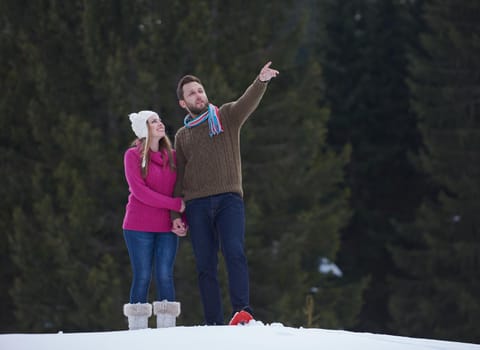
x=138, y=315
x=166, y=312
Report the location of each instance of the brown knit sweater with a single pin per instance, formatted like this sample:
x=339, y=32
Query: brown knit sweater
x=212, y=165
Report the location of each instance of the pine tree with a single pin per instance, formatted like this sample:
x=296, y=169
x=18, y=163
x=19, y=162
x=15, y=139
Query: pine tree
x=15, y=153
x=59, y=239
x=365, y=65
x=89, y=64
x=437, y=293
x=292, y=181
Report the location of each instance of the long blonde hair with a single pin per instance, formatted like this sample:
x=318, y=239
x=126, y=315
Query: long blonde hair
x=144, y=144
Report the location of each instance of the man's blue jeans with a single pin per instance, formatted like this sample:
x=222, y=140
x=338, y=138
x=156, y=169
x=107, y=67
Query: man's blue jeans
x=151, y=251
x=218, y=222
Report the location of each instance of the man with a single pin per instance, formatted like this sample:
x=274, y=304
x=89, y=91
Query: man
x=210, y=179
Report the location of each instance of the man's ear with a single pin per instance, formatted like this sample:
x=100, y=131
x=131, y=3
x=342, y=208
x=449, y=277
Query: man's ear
x=182, y=103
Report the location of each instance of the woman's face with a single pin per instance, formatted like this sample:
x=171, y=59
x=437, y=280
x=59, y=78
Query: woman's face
x=157, y=128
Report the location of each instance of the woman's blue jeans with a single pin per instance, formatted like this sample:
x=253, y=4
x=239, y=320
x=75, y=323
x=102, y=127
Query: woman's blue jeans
x=218, y=222
x=151, y=252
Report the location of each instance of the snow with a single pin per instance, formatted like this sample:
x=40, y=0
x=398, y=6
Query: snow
x=326, y=266
x=255, y=335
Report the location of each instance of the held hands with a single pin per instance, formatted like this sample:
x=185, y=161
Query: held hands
x=267, y=73
x=179, y=228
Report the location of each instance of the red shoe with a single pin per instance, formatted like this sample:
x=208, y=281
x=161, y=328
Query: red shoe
x=241, y=317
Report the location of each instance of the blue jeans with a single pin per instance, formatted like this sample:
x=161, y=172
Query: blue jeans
x=218, y=222
x=148, y=250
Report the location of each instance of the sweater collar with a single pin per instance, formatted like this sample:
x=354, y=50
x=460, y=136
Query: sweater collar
x=160, y=157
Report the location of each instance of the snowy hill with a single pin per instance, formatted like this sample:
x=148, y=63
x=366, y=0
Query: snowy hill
x=252, y=336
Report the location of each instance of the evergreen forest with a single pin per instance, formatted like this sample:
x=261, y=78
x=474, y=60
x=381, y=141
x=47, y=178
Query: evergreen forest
x=363, y=153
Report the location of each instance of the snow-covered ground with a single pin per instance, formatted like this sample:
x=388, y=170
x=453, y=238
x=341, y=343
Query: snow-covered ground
x=255, y=335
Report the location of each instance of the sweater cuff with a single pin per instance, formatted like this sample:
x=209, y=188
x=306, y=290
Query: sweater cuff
x=261, y=82
x=178, y=204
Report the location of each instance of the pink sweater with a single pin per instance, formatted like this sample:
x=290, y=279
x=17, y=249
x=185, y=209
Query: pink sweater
x=150, y=199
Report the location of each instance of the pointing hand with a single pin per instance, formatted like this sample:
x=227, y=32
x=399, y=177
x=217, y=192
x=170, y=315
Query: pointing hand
x=267, y=73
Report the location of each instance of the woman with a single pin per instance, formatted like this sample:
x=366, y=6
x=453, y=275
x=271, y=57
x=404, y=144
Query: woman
x=151, y=240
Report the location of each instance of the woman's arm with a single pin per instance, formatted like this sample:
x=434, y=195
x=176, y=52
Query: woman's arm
x=139, y=188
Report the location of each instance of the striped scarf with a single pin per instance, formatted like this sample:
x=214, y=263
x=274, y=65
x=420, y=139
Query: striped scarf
x=213, y=120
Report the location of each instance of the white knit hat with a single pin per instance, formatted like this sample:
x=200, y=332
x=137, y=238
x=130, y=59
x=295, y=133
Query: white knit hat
x=139, y=122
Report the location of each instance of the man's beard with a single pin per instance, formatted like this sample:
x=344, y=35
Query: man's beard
x=197, y=111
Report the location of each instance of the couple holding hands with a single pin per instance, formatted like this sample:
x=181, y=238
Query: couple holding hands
x=198, y=182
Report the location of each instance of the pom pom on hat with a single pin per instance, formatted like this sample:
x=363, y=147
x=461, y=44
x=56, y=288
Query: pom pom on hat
x=139, y=122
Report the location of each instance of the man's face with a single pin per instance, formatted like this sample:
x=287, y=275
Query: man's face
x=195, y=100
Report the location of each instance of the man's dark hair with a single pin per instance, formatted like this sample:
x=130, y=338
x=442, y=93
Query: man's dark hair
x=185, y=80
